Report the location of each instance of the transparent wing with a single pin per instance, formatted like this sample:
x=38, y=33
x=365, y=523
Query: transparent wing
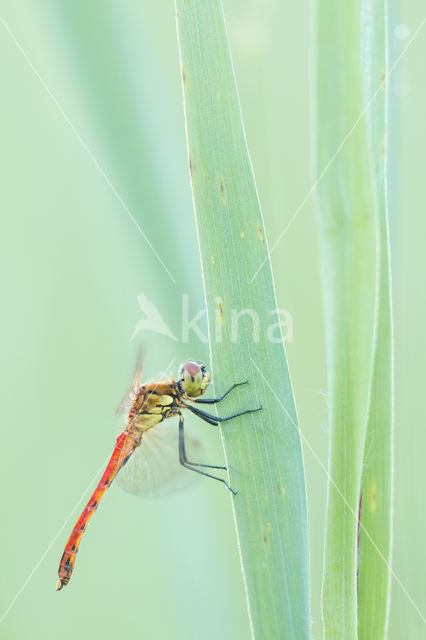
x=154, y=469
x=136, y=382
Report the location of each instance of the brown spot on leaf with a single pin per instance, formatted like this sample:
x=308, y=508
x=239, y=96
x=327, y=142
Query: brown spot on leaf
x=220, y=310
x=260, y=234
x=184, y=78
x=373, y=497
x=265, y=534
x=212, y=259
x=221, y=187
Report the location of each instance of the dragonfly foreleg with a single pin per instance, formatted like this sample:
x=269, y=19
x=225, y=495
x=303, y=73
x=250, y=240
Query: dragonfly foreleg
x=214, y=400
x=215, y=419
x=191, y=465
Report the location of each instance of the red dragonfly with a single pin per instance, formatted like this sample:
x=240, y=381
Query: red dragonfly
x=150, y=404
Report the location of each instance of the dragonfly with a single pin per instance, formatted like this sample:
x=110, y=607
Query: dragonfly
x=149, y=405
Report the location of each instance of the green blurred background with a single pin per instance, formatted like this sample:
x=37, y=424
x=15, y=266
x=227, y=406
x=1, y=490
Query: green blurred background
x=91, y=125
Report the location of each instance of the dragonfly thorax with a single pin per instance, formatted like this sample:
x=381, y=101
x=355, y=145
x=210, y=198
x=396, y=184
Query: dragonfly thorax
x=194, y=378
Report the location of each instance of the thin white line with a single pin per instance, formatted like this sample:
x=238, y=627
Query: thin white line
x=85, y=147
x=323, y=172
x=342, y=496
x=63, y=525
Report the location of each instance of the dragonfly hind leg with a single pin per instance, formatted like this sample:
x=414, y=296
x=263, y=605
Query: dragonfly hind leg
x=191, y=465
x=208, y=417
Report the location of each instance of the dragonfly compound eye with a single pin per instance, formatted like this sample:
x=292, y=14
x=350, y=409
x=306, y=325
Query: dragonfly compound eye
x=194, y=378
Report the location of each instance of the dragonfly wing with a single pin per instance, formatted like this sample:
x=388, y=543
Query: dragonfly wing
x=127, y=400
x=154, y=469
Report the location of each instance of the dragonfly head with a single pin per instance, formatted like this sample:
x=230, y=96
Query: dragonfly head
x=194, y=378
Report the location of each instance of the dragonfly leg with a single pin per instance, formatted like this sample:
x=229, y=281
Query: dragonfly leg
x=197, y=464
x=188, y=465
x=215, y=419
x=211, y=420
x=214, y=400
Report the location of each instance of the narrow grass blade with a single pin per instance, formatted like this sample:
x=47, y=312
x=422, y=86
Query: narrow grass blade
x=262, y=449
x=376, y=510
x=352, y=223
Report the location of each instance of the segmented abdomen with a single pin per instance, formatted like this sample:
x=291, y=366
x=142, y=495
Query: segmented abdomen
x=126, y=443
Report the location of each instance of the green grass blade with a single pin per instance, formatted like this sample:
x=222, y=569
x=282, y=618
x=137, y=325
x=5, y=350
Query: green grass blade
x=376, y=514
x=262, y=450
x=351, y=201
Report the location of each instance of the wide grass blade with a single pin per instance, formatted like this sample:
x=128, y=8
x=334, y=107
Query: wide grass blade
x=353, y=235
x=262, y=449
